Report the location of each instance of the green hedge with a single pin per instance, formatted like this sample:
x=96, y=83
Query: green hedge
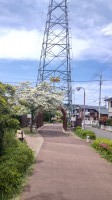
x=104, y=147
x=13, y=166
x=82, y=133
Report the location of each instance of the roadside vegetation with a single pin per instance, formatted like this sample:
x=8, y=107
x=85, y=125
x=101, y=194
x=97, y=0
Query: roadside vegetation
x=105, y=121
x=14, y=165
x=104, y=147
x=84, y=133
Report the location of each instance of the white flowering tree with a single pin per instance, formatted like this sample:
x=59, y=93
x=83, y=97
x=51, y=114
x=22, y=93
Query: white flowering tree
x=35, y=99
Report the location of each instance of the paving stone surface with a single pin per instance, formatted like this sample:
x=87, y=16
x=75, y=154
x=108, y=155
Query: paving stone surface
x=68, y=169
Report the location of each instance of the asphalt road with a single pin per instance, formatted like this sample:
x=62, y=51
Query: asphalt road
x=100, y=133
x=68, y=169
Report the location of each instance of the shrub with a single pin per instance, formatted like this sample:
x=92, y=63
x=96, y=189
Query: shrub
x=105, y=121
x=78, y=127
x=84, y=133
x=109, y=122
x=14, y=165
x=6, y=123
x=104, y=147
x=10, y=181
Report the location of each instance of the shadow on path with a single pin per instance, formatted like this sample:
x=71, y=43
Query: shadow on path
x=52, y=133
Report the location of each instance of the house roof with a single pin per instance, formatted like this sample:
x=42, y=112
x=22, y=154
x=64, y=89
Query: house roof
x=103, y=110
x=109, y=99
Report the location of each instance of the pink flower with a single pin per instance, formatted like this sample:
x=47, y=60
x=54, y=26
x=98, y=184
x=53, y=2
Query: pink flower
x=103, y=145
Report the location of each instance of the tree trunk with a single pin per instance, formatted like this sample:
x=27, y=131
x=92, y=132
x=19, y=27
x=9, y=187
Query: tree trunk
x=1, y=142
x=31, y=123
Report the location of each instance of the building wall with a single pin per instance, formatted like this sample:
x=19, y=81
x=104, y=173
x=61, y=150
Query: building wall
x=110, y=108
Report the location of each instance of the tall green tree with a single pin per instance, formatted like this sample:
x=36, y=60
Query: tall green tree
x=7, y=121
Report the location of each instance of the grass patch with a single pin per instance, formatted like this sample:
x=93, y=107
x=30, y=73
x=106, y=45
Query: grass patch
x=27, y=131
x=14, y=165
x=82, y=133
x=104, y=147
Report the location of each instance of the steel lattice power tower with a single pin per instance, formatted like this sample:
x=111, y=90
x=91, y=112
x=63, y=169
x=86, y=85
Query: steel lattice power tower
x=55, y=55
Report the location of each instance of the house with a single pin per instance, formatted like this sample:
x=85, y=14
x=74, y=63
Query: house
x=91, y=112
x=109, y=100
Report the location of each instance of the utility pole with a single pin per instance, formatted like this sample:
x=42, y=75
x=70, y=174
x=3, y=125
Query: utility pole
x=100, y=83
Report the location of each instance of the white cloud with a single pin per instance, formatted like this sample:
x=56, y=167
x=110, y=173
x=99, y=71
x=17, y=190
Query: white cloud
x=107, y=30
x=20, y=44
x=79, y=46
x=25, y=44
x=92, y=44
x=89, y=24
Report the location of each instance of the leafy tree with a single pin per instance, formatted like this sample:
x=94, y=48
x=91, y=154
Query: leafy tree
x=6, y=111
x=35, y=99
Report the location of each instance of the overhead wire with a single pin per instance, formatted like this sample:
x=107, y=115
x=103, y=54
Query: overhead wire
x=72, y=81
x=106, y=65
x=101, y=69
x=42, y=19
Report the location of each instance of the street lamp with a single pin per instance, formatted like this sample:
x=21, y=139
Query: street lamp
x=79, y=88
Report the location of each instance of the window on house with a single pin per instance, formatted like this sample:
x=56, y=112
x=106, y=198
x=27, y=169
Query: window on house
x=111, y=104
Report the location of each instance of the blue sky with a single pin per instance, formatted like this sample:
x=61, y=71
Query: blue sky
x=22, y=26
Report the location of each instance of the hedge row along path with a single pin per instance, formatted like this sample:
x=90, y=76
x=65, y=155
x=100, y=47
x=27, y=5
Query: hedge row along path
x=68, y=169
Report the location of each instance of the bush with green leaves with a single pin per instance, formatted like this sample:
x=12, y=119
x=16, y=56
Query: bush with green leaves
x=82, y=133
x=78, y=127
x=14, y=165
x=7, y=120
x=109, y=122
x=104, y=147
x=105, y=121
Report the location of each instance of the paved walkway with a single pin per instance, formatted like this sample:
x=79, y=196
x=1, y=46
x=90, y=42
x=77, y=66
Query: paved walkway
x=35, y=141
x=100, y=132
x=68, y=169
